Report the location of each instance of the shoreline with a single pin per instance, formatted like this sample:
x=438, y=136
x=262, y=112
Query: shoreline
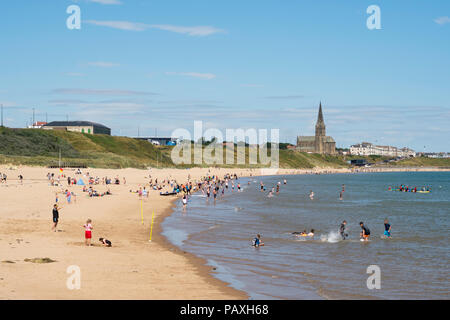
x=205, y=271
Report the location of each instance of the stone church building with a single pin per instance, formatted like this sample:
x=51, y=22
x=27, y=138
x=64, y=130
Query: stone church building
x=320, y=143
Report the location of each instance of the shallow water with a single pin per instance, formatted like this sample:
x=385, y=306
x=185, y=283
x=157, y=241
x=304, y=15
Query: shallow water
x=414, y=263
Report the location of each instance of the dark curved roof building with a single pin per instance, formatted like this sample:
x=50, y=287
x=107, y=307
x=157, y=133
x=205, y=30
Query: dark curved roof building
x=78, y=126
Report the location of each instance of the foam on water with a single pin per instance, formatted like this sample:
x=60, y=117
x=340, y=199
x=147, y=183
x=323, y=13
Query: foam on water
x=331, y=237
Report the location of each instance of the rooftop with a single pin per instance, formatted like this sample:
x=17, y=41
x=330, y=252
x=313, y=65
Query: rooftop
x=74, y=124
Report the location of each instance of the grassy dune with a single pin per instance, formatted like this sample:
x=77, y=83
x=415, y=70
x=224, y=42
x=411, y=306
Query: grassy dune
x=41, y=147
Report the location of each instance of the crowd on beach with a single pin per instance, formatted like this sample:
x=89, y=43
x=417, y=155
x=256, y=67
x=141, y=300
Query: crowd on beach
x=211, y=186
x=70, y=196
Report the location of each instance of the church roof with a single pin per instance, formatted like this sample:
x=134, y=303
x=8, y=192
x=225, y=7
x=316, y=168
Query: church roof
x=313, y=138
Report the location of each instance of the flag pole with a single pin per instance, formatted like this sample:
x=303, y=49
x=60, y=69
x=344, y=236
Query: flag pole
x=151, y=228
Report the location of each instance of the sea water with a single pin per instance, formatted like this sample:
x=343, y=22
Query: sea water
x=414, y=264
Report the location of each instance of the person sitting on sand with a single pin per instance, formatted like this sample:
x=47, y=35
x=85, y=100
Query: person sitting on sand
x=105, y=242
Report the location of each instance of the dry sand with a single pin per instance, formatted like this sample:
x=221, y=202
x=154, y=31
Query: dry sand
x=133, y=268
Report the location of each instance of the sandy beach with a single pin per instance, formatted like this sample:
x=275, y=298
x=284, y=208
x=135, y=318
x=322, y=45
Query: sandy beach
x=133, y=268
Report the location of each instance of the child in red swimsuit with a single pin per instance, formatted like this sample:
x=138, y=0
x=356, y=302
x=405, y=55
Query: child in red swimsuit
x=88, y=232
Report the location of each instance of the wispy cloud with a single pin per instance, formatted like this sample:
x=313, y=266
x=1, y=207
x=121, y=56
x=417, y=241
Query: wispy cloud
x=191, y=31
x=199, y=31
x=121, y=25
x=250, y=85
x=8, y=104
x=285, y=97
x=112, y=92
x=107, y=2
x=442, y=20
x=207, y=76
x=103, y=64
x=65, y=101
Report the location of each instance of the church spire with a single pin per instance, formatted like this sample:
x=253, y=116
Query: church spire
x=320, y=116
x=320, y=125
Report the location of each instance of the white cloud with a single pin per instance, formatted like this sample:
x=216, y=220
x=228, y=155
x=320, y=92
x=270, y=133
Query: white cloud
x=103, y=64
x=121, y=25
x=107, y=2
x=442, y=20
x=191, y=31
x=199, y=31
x=250, y=85
x=207, y=76
x=7, y=104
x=285, y=97
x=112, y=92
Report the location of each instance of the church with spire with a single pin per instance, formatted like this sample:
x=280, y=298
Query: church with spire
x=320, y=143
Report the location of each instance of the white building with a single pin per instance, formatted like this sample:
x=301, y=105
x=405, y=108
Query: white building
x=369, y=149
x=37, y=125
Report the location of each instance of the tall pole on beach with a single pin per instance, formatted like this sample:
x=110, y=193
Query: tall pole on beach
x=151, y=228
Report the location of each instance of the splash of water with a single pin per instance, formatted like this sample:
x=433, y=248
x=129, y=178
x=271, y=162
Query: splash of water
x=331, y=237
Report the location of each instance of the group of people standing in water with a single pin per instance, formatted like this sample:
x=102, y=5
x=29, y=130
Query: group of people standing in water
x=405, y=188
x=365, y=231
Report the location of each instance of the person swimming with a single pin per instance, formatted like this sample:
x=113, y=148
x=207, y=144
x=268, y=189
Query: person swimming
x=311, y=233
x=257, y=241
x=300, y=234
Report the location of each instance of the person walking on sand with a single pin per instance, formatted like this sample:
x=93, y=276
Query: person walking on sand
x=55, y=216
x=88, y=232
x=68, y=196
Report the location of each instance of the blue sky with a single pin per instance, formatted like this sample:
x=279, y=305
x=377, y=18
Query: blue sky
x=233, y=64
